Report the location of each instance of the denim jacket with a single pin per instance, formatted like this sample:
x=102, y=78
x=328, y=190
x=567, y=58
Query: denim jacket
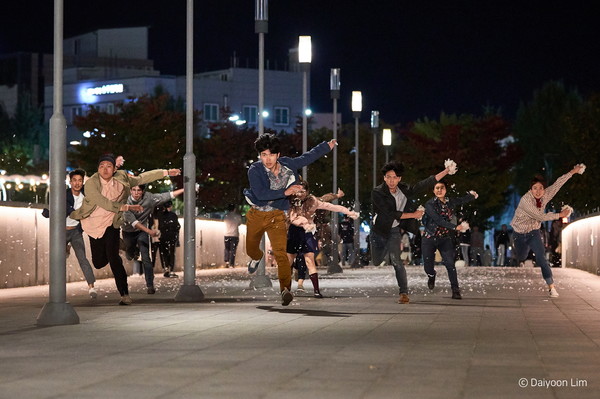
x=433, y=208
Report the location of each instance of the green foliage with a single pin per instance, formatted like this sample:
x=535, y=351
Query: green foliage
x=23, y=139
x=148, y=131
x=540, y=130
x=581, y=135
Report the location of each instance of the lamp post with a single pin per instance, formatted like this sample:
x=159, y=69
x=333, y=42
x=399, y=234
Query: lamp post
x=304, y=58
x=387, y=142
x=189, y=291
x=334, y=87
x=356, y=110
x=261, y=26
x=57, y=311
x=374, y=128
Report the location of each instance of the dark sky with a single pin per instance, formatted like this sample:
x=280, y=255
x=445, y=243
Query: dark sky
x=410, y=59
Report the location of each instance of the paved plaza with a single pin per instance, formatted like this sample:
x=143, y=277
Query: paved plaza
x=505, y=339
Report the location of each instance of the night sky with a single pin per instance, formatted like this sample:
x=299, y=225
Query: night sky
x=411, y=59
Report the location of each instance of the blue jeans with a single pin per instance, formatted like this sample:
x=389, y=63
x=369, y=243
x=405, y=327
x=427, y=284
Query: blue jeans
x=348, y=253
x=446, y=247
x=381, y=247
x=140, y=240
x=533, y=241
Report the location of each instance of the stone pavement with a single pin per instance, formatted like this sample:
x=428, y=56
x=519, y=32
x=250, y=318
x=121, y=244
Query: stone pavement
x=355, y=343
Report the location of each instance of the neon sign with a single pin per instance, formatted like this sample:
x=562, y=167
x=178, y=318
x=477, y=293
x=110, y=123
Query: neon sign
x=105, y=89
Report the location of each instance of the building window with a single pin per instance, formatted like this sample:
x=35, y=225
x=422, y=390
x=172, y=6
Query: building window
x=250, y=114
x=211, y=112
x=76, y=111
x=110, y=108
x=282, y=116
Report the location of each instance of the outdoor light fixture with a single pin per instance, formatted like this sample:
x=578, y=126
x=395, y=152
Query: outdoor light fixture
x=265, y=114
x=356, y=101
x=304, y=58
x=387, y=137
x=308, y=112
x=356, y=109
x=304, y=50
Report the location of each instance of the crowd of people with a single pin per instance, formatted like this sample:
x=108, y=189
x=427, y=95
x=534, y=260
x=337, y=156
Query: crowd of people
x=114, y=209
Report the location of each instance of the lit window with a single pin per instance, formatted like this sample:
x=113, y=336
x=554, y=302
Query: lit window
x=282, y=116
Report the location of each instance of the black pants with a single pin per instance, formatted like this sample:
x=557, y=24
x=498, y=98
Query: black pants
x=105, y=250
x=167, y=254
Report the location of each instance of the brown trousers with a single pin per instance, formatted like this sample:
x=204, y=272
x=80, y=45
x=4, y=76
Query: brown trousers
x=274, y=224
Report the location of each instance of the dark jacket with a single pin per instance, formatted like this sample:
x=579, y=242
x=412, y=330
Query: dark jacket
x=260, y=193
x=433, y=209
x=70, y=206
x=384, y=206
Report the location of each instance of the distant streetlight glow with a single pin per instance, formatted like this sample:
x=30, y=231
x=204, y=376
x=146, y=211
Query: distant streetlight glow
x=308, y=112
x=265, y=114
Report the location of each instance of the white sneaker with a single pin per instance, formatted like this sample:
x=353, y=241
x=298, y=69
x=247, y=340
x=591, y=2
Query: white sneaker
x=553, y=293
x=93, y=293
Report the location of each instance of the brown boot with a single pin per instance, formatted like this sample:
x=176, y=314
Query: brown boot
x=403, y=299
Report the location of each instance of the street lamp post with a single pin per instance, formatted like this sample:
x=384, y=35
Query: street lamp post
x=57, y=311
x=304, y=58
x=189, y=291
x=356, y=110
x=261, y=26
x=374, y=128
x=334, y=87
x=386, y=140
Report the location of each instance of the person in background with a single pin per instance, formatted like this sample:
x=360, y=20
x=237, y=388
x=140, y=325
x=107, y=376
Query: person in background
x=502, y=244
x=529, y=215
x=346, y=231
x=168, y=225
x=232, y=220
x=476, y=247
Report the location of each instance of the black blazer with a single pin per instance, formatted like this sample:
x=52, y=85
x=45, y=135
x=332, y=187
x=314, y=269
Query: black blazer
x=384, y=206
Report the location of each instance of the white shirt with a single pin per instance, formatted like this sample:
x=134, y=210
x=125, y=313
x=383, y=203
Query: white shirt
x=76, y=205
x=400, y=203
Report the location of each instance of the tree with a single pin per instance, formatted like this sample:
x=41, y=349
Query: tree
x=540, y=130
x=148, y=131
x=581, y=135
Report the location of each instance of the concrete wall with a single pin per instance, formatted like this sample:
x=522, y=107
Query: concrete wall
x=24, y=249
x=581, y=245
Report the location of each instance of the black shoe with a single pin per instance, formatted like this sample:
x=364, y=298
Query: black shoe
x=286, y=297
x=151, y=290
x=431, y=282
x=318, y=295
x=456, y=294
x=167, y=274
x=253, y=265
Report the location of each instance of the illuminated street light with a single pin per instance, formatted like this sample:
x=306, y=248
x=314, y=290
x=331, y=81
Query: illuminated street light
x=387, y=142
x=304, y=58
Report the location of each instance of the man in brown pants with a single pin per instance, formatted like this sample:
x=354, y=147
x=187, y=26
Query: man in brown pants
x=272, y=180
